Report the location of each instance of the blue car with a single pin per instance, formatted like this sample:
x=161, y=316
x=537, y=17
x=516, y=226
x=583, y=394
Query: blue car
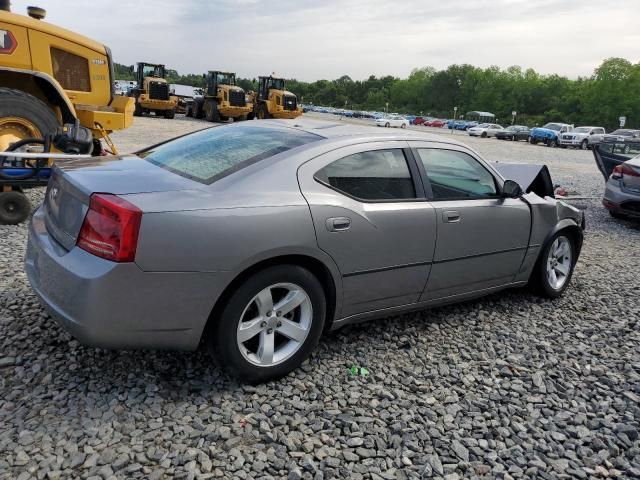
x=549, y=134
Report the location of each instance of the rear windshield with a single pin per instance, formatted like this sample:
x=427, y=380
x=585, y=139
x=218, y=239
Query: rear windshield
x=214, y=153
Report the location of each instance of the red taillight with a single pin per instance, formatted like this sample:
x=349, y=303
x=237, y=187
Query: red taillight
x=623, y=169
x=110, y=228
x=617, y=172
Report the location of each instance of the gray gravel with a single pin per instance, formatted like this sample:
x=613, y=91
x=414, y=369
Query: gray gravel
x=509, y=386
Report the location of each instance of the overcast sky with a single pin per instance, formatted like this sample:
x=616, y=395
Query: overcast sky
x=324, y=39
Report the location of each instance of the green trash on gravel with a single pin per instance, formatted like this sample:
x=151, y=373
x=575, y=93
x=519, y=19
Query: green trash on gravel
x=355, y=370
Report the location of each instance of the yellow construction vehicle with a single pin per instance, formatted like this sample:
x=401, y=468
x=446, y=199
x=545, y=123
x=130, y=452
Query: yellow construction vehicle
x=221, y=99
x=50, y=76
x=272, y=100
x=152, y=92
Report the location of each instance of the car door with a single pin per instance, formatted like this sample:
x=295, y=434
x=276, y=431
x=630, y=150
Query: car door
x=371, y=216
x=482, y=237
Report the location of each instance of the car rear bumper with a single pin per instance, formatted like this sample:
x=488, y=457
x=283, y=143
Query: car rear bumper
x=118, y=305
x=619, y=200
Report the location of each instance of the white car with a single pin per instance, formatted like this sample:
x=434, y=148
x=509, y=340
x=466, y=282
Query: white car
x=582, y=137
x=392, y=121
x=485, y=130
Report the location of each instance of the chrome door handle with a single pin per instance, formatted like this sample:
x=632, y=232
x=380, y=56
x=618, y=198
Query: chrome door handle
x=451, y=216
x=338, y=224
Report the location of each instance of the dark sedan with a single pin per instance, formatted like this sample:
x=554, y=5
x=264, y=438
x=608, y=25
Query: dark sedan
x=514, y=132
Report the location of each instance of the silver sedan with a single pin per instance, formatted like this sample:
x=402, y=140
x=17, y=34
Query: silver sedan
x=255, y=238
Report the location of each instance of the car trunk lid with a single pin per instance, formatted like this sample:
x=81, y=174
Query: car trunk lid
x=72, y=183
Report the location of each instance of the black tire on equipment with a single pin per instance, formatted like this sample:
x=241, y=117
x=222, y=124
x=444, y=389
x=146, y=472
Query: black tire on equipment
x=137, y=111
x=169, y=114
x=538, y=281
x=222, y=334
x=241, y=118
x=263, y=112
x=251, y=115
x=211, y=111
x=188, y=111
x=16, y=103
x=197, y=110
x=15, y=208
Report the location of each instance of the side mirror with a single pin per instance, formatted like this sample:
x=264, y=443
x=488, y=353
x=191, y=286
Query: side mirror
x=511, y=189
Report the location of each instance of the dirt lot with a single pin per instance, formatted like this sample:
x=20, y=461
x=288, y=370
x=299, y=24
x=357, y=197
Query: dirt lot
x=509, y=386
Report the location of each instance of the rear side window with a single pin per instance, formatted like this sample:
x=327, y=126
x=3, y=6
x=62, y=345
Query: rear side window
x=214, y=153
x=456, y=175
x=72, y=71
x=377, y=175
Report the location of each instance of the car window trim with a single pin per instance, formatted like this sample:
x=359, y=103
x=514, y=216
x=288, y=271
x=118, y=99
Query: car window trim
x=427, y=182
x=416, y=178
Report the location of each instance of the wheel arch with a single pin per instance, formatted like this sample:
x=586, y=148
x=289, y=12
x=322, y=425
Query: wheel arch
x=42, y=86
x=316, y=266
x=572, y=228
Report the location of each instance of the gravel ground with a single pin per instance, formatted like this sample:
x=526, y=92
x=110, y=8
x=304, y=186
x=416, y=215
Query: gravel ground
x=509, y=386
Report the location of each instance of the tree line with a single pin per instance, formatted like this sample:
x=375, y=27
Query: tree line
x=611, y=92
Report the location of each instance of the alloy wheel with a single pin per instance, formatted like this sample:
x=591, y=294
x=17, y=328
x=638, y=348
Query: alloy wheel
x=274, y=324
x=559, y=262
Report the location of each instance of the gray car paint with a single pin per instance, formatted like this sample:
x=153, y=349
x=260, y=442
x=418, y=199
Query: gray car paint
x=196, y=239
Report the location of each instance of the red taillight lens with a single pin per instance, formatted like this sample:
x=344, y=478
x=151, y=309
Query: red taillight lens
x=110, y=229
x=617, y=172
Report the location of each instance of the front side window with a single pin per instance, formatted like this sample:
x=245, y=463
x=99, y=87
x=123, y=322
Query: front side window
x=377, y=175
x=456, y=175
x=72, y=71
x=211, y=154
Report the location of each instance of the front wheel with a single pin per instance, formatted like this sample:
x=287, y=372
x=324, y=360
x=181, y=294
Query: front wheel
x=387, y=125
x=169, y=114
x=484, y=135
x=553, y=143
x=555, y=266
x=532, y=141
x=402, y=125
x=270, y=324
x=584, y=145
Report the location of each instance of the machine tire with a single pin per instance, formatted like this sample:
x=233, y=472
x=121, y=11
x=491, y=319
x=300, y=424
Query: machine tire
x=251, y=115
x=223, y=334
x=241, y=118
x=197, y=110
x=16, y=103
x=188, y=111
x=223, y=118
x=137, y=111
x=169, y=114
x=263, y=112
x=211, y=112
x=15, y=208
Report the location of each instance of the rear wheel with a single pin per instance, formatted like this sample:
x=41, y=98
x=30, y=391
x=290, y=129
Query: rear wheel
x=270, y=324
x=23, y=116
x=137, y=111
x=484, y=135
x=532, y=141
x=169, y=114
x=387, y=125
x=14, y=208
x=553, y=272
x=402, y=125
x=585, y=144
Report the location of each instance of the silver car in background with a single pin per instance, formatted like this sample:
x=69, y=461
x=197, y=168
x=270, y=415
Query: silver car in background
x=485, y=130
x=255, y=238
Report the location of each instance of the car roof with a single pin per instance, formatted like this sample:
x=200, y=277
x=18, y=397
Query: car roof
x=338, y=130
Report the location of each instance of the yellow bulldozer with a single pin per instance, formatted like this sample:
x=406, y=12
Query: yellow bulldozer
x=273, y=100
x=220, y=99
x=50, y=76
x=152, y=92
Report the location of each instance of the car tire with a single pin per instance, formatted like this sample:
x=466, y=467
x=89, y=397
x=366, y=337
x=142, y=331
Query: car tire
x=484, y=135
x=584, y=145
x=402, y=125
x=532, y=141
x=242, y=358
x=541, y=279
x=553, y=143
x=15, y=208
x=387, y=125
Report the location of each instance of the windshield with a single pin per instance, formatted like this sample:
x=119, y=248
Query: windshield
x=225, y=78
x=484, y=125
x=582, y=130
x=276, y=83
x=211, y=154
x=553, y=126
x=153, y=71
